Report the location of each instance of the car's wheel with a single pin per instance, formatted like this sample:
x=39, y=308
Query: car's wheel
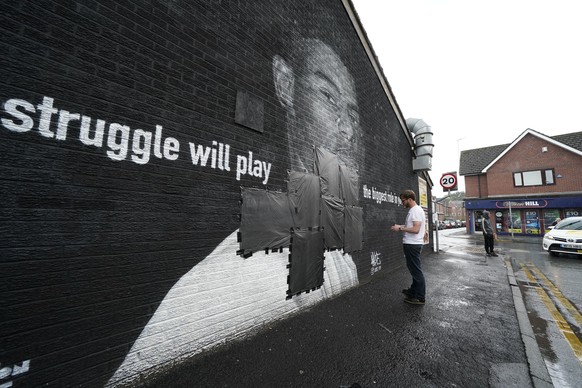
x=553, y=253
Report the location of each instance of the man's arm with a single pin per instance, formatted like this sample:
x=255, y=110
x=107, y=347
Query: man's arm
x=402, y=228
x=415, y=227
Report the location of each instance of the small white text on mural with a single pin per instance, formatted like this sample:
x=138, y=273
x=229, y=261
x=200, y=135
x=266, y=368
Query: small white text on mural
x=7, y=372
x=376, y=263
x=380, y=196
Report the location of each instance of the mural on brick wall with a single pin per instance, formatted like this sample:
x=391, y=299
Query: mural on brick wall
x=177, y=174
x=321, y=108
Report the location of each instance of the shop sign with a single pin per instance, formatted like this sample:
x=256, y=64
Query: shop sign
x=534, y=203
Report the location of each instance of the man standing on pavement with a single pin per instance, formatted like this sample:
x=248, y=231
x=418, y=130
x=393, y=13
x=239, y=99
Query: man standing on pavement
x=488, y=234
x=412, y=242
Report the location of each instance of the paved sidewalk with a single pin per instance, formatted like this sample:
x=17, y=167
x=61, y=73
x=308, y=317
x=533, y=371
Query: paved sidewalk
x=467, y=335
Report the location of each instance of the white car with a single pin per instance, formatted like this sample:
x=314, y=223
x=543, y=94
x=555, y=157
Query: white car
x=566, y=237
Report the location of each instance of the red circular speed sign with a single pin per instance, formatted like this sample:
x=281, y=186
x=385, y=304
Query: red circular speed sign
x=448, y=180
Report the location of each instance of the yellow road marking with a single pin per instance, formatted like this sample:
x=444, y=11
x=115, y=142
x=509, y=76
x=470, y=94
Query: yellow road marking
x=563, y=325
x=558, y=294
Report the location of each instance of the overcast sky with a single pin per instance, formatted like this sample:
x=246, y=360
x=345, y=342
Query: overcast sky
x=480, y=72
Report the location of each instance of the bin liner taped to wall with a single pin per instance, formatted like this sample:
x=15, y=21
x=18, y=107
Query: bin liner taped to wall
x=353, y=229
x=327, y=167
x=332, y=218
x=265, y=220
x=304, y=196
x=349, y=185
x=306, y=259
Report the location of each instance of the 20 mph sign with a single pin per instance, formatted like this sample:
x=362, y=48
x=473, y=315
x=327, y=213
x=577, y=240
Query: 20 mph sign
x=449, y=181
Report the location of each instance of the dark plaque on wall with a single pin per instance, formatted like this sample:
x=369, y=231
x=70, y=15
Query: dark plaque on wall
x=249, y=111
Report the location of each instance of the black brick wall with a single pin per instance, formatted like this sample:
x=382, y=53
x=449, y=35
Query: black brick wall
x=91, y=245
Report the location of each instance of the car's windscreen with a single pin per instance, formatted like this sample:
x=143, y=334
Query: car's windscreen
x=570, y=225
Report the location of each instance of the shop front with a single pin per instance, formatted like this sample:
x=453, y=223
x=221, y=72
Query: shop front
x=531, y=216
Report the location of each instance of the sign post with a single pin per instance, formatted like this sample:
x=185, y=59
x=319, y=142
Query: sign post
x=448, y=182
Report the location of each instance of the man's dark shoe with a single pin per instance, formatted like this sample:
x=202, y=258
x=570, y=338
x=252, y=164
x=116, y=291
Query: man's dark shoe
x=414, y=300
x=407, y=292
x=493, y=254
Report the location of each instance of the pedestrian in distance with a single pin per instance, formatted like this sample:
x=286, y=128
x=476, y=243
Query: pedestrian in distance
x=412, y=242
x=488, y=234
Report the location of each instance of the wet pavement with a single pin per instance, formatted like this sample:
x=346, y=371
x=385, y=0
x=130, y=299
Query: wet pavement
x=472, y=332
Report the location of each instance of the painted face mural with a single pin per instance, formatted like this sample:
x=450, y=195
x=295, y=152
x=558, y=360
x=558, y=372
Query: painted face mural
x=318, y=92
x=323, y=126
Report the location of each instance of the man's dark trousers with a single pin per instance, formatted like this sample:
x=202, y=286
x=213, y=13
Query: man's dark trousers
x=412, y=254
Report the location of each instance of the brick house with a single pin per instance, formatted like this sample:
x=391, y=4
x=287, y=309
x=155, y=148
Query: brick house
x=449, y=210
x=526, y=184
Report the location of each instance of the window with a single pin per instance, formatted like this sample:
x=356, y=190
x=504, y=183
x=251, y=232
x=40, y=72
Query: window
x=534, y=178
x=549, y=177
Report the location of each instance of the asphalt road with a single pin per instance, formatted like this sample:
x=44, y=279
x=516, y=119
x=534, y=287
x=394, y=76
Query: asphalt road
x=551, y=288
x=552, y=292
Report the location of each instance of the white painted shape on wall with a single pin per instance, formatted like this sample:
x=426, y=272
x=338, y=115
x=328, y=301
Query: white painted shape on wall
x=222, y=298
